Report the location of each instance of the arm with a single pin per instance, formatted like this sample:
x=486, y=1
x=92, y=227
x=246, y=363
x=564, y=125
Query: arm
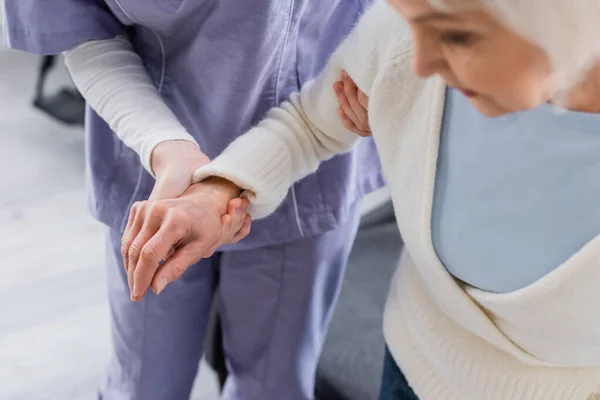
x=303, y=132
x=55, y=26
x=289, y=144
x=104, y=67
x=115, y=83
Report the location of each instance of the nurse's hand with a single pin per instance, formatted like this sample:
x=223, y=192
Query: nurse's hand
x=354, y=106
x=173, y=163
x=181, y=231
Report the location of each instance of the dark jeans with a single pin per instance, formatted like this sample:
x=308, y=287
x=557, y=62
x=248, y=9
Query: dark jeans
x=394, y=385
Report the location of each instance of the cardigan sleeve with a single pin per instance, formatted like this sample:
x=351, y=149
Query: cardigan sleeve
x=297, y=136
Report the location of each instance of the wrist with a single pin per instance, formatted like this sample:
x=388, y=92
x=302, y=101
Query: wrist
x=217, y=188
x=175, y=152
x=224, y=188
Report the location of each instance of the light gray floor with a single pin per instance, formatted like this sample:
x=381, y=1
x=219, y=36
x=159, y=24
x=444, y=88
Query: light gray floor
x=54, y=336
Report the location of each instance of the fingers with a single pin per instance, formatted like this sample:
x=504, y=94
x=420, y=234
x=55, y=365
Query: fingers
x=134, y=225
x=361, y=114
x=173, y=268
x=235, y=225
x=363, y=100
x=165, y=226
x=244, y=231
x=148, y=217
x=345, y=106
x=349, y=124
x=148, y=239
x=353, y=111
x=238, y=209
x=157, y=248
x=170, y=253
x=233, y=222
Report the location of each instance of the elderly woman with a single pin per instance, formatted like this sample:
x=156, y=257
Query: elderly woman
x=496, y=296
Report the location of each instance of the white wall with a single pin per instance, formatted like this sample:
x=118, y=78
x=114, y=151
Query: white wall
x=1, y=21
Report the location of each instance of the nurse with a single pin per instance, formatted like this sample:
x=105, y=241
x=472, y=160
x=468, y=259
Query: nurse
x=218, y=67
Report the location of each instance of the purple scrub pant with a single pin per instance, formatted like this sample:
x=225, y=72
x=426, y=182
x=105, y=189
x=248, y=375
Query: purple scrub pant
x=275, y=303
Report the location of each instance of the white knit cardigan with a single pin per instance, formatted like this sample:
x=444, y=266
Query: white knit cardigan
x=453, y=342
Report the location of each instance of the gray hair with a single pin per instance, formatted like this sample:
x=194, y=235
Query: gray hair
x=567, y=30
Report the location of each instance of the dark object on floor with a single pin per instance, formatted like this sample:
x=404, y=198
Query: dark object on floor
x=66, y=106
x=352, y=361
x=214, y=353
x=394, y=385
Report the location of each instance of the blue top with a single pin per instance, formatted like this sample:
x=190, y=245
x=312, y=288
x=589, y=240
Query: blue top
x=220, y=66
x=515, y=196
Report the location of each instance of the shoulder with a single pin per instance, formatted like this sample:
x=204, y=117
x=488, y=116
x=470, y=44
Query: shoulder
x=387, y=31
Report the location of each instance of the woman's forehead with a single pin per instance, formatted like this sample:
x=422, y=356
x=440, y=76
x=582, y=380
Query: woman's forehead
x=412, y=7
x=426, y=11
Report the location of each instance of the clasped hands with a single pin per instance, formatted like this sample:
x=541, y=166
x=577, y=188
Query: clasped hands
x=183, y=223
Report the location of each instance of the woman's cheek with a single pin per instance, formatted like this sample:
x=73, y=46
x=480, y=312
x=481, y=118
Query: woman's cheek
x=530, y=92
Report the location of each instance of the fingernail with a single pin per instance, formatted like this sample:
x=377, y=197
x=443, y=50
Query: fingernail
x=160, y=286
x=344, y=76
x=136, y=291
x=338, y=90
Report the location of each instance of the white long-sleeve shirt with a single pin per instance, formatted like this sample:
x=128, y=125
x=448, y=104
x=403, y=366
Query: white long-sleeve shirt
x=113, y=80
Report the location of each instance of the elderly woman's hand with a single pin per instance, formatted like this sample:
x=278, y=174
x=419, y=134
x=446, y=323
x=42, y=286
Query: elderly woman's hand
x=179, y=232
x=354, y=106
